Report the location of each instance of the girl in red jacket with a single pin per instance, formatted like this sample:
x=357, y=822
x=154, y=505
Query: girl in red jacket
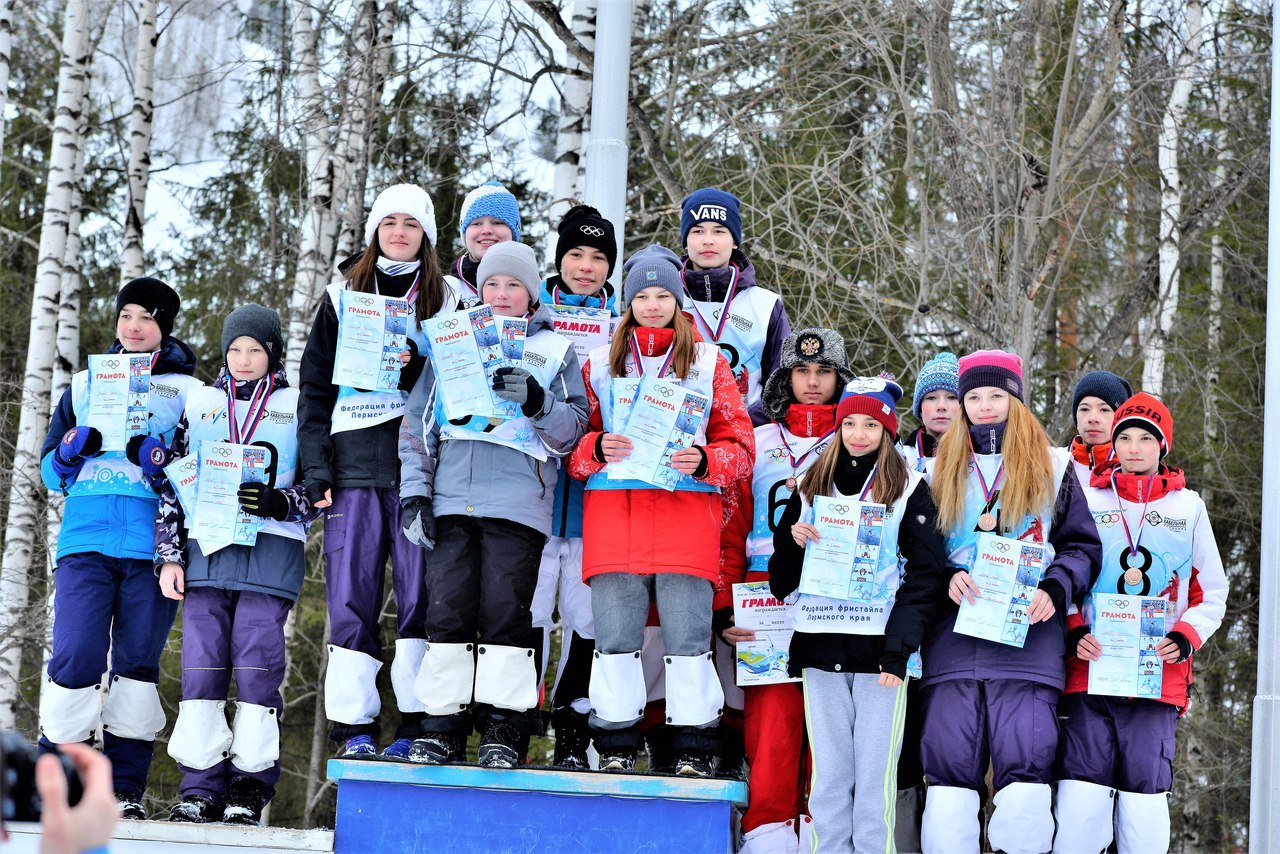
x=642, y=542
x=1116, y=751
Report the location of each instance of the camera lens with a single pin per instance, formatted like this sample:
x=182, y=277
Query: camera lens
x=19, y=800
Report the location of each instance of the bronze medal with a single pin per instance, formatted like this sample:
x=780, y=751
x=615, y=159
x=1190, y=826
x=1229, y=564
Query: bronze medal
x=791, y=483
x=987, y=522
x=1133, y=576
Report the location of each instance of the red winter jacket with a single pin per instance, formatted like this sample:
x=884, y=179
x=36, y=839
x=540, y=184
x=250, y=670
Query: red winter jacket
x=1199, y=606
x=651, y=530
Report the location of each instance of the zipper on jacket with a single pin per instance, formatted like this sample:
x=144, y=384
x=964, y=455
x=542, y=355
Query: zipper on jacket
x=537, y=467
x=564, y=506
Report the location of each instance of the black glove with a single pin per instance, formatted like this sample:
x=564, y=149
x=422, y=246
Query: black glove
x=721, y=619
x=1184, y=645
x=519, y=386
x=147, y=453
x=894, y=663
x=410, y=372
x=701, y=470
x=1057, y=595
x=1074, y=636
x=316, y=490
x=258, y=499
x=419, y=522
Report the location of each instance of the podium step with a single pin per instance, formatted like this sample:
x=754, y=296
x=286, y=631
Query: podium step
x=388, y=807
x=157, y=837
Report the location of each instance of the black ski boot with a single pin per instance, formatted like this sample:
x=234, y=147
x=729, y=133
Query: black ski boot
x=573, y=736
x=246, y=798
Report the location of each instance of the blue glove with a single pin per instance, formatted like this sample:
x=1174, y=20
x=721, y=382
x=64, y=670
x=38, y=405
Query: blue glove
x=77, y=445
x=147, y=453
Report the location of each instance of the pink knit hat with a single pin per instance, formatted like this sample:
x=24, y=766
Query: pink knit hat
x=993, y=368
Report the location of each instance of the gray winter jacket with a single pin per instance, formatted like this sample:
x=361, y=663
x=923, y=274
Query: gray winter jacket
x=482, y=479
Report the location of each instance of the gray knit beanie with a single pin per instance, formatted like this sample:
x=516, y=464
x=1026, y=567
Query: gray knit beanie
x=654, y=266
x=259, y=323
x=515, y=260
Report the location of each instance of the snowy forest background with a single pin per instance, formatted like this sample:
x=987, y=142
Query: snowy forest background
x=1082, y=181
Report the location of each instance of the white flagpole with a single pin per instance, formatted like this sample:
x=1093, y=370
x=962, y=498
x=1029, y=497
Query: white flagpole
x=1264, y=811
x=605, y=178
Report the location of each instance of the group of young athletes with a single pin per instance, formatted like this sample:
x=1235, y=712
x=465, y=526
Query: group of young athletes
x=498, y=529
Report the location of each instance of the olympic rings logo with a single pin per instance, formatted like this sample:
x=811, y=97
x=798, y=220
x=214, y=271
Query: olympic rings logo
x=1106, y=520
x=222, y=450
x=665, y=391
x=1116, y=603
x=1000, y=546
x=839, y=508
x=593, y=230
x=451, y=323
x=364, y=300
x=110, y=363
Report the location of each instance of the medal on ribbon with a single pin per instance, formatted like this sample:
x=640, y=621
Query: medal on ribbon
x=990, y=494
x=793, y=480
x=1132, y=574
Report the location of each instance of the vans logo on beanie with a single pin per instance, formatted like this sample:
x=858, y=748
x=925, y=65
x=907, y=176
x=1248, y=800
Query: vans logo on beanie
x=713, y=212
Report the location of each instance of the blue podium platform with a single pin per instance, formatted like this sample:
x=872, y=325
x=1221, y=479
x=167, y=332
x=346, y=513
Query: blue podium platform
x=388, y=807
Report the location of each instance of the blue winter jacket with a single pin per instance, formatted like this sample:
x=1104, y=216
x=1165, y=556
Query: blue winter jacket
x=566, y=513
x=119, y=526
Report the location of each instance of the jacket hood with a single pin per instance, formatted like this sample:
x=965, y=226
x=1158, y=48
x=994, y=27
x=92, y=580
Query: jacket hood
x=280, y=375
x=712, y=285
x=175, y=357
x=603, y=298
x=923, y=440
x=465, y=268
x=1090, y=456
x=1131, y=487
x=540, y=320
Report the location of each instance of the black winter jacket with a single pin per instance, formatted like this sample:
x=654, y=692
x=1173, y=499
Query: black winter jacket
x=367, y=457
x=919, y=596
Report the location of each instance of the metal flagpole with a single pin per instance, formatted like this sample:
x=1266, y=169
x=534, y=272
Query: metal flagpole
x=1264, y=811
x=605, y=178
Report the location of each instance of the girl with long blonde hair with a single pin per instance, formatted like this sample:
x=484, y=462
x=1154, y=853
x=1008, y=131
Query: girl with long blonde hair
x=985, y=701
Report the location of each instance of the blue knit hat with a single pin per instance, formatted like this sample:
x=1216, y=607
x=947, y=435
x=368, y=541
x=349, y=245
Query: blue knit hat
x=710, y=205
x=1104, y=385
x=941, y=373
x=490, y=199
x=654, y=266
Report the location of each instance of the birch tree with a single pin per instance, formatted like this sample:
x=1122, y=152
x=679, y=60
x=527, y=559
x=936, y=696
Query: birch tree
x=368, y=62
x=24, y=488
x=1157, y=339
x=65, y=362
x=140, y=126
x=319, y=225
x=575, y=103
x=6, y=44
x=1217, y=248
